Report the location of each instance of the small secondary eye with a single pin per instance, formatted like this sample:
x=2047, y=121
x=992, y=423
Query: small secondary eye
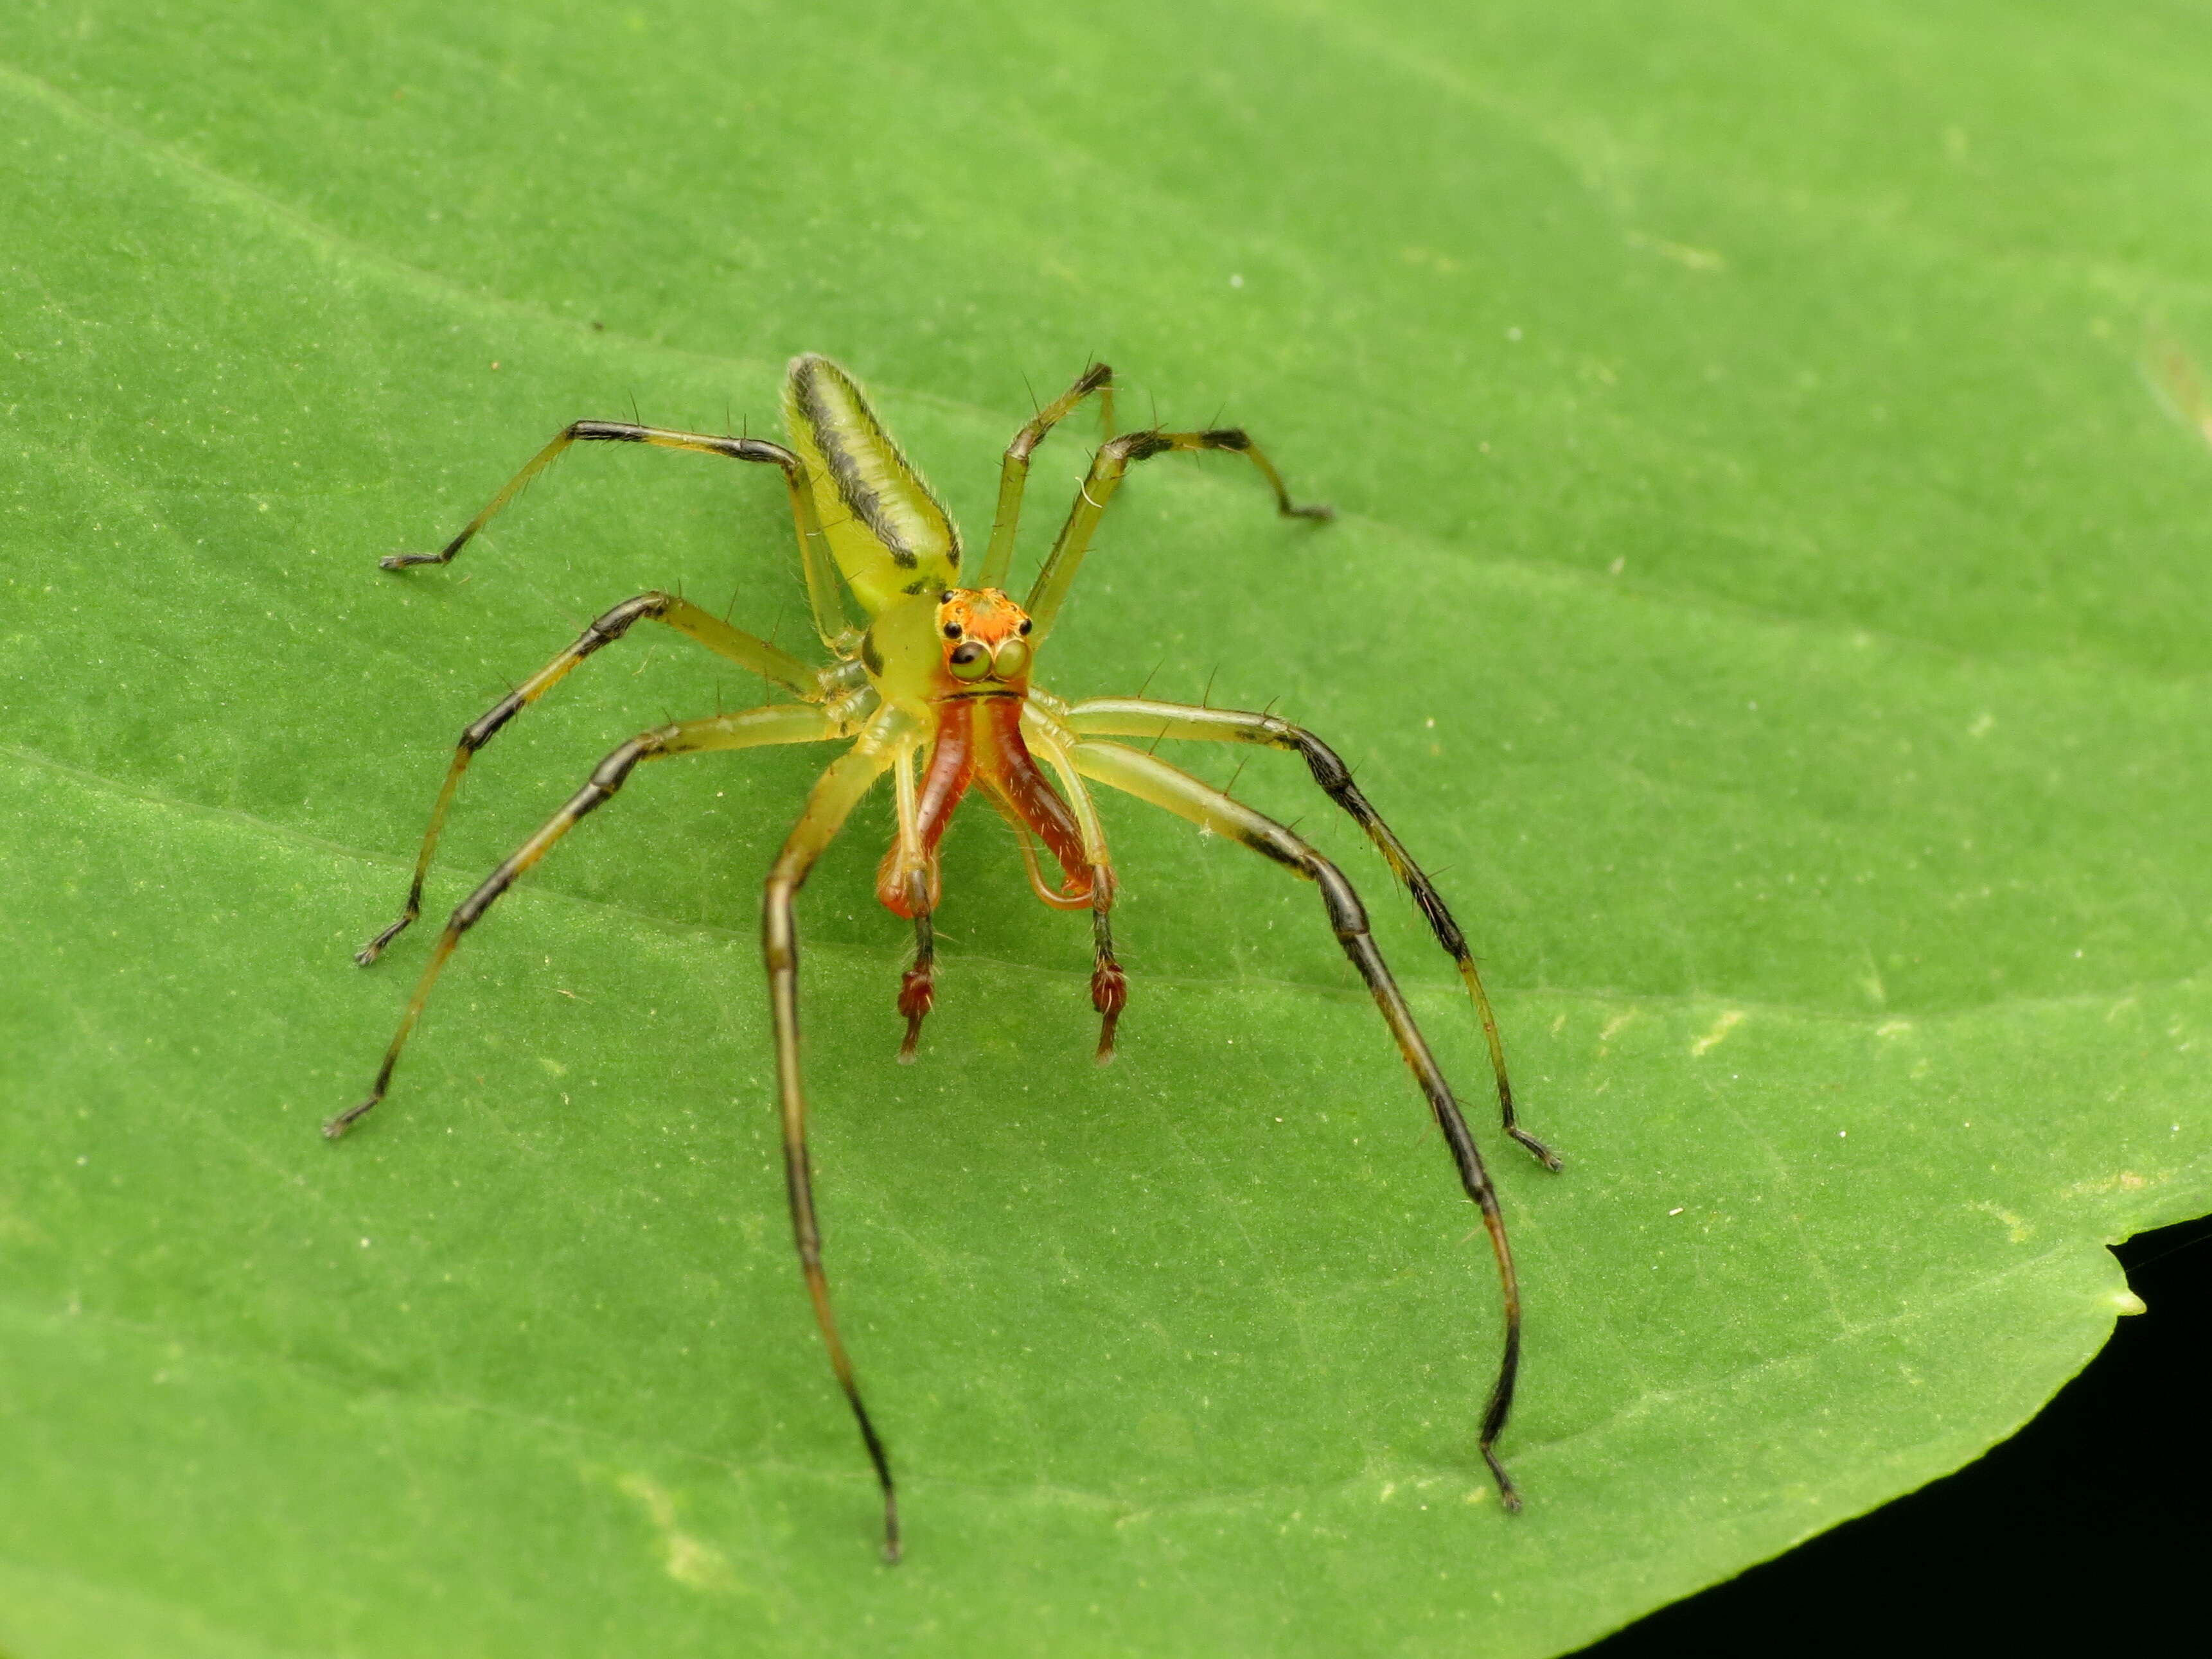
x=952, y=630
x=1027, y=625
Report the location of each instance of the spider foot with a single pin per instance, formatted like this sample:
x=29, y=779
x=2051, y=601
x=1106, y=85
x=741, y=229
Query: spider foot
x=1544, y=1154
x=375, y=948
x=346, y=1119
x=1507, y=1494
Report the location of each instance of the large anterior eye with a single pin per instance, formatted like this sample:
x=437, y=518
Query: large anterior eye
x=1012, y=657
x=968, y=661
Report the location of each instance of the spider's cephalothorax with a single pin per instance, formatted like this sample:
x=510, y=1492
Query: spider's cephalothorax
x=933, y=687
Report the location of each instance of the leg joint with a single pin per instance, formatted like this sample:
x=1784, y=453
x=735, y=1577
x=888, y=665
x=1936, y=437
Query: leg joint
x=1135, y=446
x=612, y=773
x=488, y=725
x=1346, y=915
x=606, y=629
x=1327, y=767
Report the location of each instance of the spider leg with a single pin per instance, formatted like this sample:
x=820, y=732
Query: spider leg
x=823, y=589
x=1154, y=780
x=1115, y=457
x=835, y=794
x=1132, y=717
x=681, y=614
x=1014, y=470
x=751, y=728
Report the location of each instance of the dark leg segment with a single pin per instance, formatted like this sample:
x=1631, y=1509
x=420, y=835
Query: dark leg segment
x=1014, y=470
x=1154, y=780
x=1134, y=717
x=681, y=614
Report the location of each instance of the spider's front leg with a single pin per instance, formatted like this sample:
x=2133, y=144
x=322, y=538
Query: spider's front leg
x=1014, y=469
x=1107, y=467
x=1137, y=717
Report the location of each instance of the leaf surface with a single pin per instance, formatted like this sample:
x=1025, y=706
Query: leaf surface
x=1765, y=591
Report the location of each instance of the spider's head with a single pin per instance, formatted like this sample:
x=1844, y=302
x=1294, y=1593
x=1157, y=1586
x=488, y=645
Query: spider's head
x=985, y=638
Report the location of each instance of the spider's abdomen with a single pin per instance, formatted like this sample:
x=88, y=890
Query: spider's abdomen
x=889, y=534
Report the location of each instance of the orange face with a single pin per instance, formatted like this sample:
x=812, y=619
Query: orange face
x=986, y=639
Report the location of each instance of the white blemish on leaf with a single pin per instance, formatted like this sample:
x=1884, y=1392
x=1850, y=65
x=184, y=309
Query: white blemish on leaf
x=1680, y=252
x=1722, y=1027
x=689, y=1561
x=2017, y=1229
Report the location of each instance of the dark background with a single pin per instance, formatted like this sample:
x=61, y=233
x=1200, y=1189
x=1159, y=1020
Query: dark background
x=2094, y=1521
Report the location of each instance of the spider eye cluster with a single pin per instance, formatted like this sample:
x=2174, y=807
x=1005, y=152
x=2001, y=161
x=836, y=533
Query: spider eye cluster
x=986, y=635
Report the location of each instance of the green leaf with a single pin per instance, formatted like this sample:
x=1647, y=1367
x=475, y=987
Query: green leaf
x=1766, y=592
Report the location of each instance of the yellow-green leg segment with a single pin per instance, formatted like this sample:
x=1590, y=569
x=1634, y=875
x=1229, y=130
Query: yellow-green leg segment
x=1014, y=469
x=1155, y=780
x=1136, y=716
x=686, y=618
x=751, y=728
